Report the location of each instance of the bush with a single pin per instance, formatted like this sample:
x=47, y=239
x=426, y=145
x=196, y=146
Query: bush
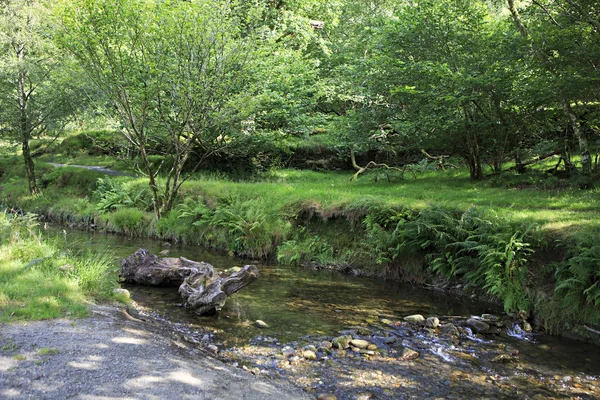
x=131, y=221
x=111, y=195
x=79, y=179
x=100, y=142
x=482, y=250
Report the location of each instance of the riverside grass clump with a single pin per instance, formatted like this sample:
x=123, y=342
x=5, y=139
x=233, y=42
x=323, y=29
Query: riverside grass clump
x=438, y=228
x=39, y=279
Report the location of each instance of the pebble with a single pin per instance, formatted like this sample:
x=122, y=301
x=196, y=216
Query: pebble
x=432, y=322
x=309, y=355
x=359, y=343
x=409, y=354
x=341, y=342
x=414, y=318
x=326, y=396
x=212, y=348
x=260, y=324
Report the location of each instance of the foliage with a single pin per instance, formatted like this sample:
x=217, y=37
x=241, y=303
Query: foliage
x=40, y=87
x=169, y=70
x=131, y=221
x=483, y=251
x=112, y=194
x=40, y=280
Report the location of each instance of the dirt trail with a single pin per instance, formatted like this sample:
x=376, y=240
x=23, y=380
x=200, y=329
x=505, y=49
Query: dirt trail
x=110, y=356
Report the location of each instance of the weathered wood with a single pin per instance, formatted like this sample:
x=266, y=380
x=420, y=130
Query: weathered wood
x=145, y=268
x=207, y=295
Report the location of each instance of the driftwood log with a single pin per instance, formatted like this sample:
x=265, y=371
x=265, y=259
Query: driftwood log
x=202, y=289
x=147, y=269
x=208, y=295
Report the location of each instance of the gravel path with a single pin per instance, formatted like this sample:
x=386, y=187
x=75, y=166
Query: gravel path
x=111, y=356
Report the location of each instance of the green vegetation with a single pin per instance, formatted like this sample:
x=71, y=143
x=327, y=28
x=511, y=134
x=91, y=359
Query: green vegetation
x=40, y=280
x=471, y=128
x=47, y=351
x=440, y=227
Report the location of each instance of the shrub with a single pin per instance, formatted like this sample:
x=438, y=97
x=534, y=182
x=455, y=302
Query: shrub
x=112, y=195
x=131, y=221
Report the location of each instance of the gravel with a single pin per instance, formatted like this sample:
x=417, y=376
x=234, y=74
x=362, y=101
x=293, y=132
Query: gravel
x=112, y=356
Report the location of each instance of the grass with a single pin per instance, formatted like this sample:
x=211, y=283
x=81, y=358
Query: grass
x=41, y=279
x=409, y=229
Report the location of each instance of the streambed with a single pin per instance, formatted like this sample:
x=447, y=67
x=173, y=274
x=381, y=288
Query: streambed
x=306, y=310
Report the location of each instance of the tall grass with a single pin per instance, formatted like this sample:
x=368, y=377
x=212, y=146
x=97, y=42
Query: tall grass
x=40, y=280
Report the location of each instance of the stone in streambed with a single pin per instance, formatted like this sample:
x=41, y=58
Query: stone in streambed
x=526, y=326
x=309, y=355
x=432, y=322
x=326, y=396
x=416, y=318
x=503, y=358
x=409, y=354
x=477, y=325
x=341, y=342
x=359, y=343
x=260, y=324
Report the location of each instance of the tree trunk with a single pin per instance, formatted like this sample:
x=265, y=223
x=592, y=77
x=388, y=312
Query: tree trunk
x=204, y=296
x=24, y=125
x=586, y=160
x=147, y=269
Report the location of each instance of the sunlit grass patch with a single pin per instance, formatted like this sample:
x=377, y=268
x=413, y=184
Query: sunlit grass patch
x=34, y=283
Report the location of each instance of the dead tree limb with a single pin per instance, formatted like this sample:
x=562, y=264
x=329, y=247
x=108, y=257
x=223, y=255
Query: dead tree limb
x=205, y=296
x=370, y=165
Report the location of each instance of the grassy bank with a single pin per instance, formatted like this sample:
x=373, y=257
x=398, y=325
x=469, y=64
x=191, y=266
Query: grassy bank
x=517, y=238
x=41, y=279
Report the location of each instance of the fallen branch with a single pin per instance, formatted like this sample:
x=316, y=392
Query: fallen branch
x=537, y=159
x=591, y=330
x=371, y=164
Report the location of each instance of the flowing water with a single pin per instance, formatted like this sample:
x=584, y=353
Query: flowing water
x=305, y=308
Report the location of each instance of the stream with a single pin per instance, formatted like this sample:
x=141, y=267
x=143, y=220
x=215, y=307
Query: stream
x=308, y=313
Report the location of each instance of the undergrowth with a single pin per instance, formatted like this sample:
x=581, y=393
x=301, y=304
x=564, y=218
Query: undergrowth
x=438, y=227
x=41, y=279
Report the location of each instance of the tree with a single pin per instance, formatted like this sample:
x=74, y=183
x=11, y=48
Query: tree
x=170, y=70
x=36, y=81
x=562, y=37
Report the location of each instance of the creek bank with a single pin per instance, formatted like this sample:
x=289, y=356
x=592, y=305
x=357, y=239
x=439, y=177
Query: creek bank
x=428, y=282
x=111, y=355
x=395, y=359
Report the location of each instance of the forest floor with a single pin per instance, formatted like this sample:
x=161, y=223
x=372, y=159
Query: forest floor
x=110, y=355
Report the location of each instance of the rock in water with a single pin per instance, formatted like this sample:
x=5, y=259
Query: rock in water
x=479, y=326
x=148, y=269
x=359, y=343
x=409, y=354
x=432, y=322
x=417, y=318
x=260, y=324
x=341, y=342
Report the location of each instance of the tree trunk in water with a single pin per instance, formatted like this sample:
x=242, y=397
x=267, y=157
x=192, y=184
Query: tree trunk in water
x=147, y=269
x=205, y=296
x=586, y=160
x=24, y=127
x=201, y=288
